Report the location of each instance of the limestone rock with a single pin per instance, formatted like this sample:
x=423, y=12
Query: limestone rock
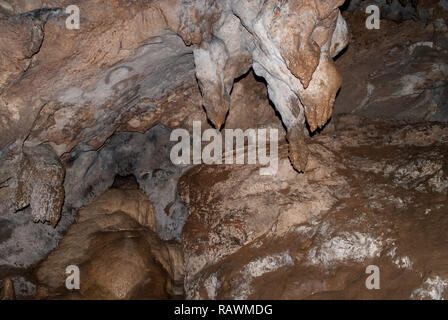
x=139, y=74
x=39, y=183
x=314, y=236
x=117, y=257
x=297, y=64
x=7, y=290
x=250, y=107
x=398, y=71
x=132, y=202
x=233, y=206
x=81, y=107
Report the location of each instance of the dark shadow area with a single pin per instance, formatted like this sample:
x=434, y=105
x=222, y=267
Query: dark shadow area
x=125, y=182
x=341, y=53
x=345, y=6
x=277, y=114
x=318, y=130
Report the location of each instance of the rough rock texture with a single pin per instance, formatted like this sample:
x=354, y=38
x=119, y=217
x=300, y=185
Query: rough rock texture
x=126, y=68
x=395, y=10
x=88, y=174
x=39, y=183
x=147, y=157
x=118, y=258
x=123, y=70
x=375, y=194
x=22, y=241
x=101, y=80
x=297, y=64
x=100, y=102
x=7, y=290
x=399, y=71
x=250, y=107
x=431, y=11
x=133, y=65
x=234, y=206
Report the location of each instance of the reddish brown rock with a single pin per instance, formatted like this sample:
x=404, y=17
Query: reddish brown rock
x=312, y=236
x=398, y=71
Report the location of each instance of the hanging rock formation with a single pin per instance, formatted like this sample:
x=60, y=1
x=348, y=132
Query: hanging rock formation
x=138, y=71
x=130, y=66
x=289, y=43
x=82, y=108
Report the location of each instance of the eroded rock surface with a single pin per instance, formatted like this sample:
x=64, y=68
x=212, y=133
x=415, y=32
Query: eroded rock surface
x=118, y=257
x=132, y=65
x=89, y=174
x=7, y=290
x=399, y=71
x=39, y=183
x=145, y=156
x=138, y=72
x=375, y=194
x=101, y=101
x=123, y=70
x=290, y=44
x=250, y=107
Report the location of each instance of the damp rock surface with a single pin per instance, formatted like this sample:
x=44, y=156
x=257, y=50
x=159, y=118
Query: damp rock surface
x=133, y=64
x=373, y=196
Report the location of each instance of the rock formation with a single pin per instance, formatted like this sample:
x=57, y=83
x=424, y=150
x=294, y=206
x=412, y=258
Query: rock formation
x=39, y=183
x=7, y=291
x=118, y=256
x=133, y=77
x=86, y=178
x=293, y=53
x=135, y=64
x=370, y=197
x=406, y=75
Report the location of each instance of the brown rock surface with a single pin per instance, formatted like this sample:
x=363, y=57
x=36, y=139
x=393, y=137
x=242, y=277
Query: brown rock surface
x=250, y=107
x=79, y=107
x=127, y=68
x=132, y=202
x=118, y=258
x=39, y=183
x=123, y=69
x=375, y=194
x=7, y=289
x=399, y=71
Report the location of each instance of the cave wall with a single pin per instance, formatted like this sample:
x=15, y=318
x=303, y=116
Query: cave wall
x=134, y=64
x=78, y=107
